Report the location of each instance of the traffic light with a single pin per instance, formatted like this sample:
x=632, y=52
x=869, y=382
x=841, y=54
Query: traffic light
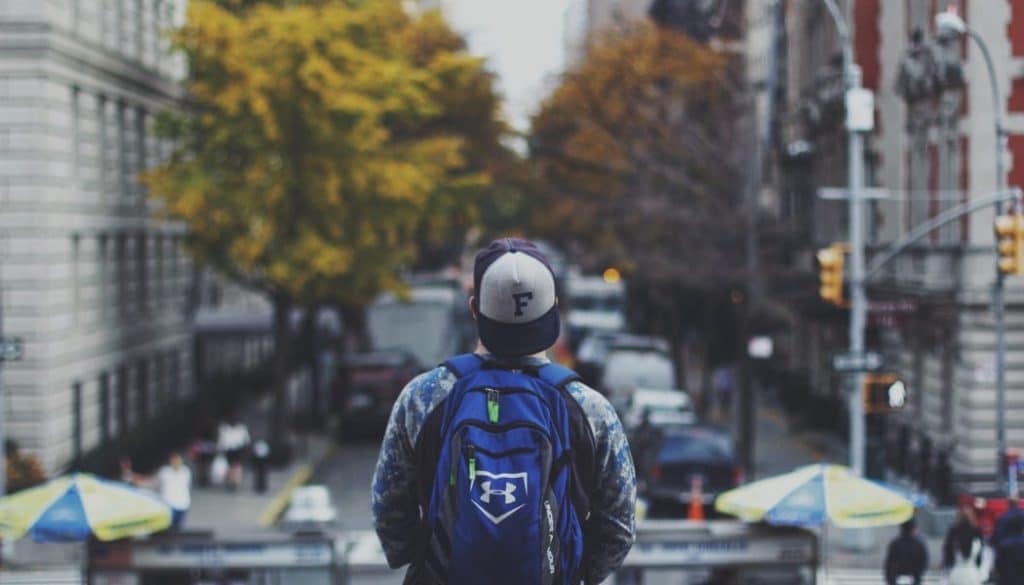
x=884, y=393
x=831, y=260
x=1010, y=234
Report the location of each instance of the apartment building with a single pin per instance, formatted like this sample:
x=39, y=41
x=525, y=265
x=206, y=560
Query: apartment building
x=93, y=282
x=930, y=151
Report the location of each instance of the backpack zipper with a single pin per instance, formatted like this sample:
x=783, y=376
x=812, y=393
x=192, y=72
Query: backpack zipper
x=493, y=405
x=471, y=451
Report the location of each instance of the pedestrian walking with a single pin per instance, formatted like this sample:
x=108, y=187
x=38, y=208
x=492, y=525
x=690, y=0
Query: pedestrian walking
x=963, y=550
x=173, y=482
x=722, y=381
x=907, y=557
x=501, y=467
x=260, y=464
x=232, y=440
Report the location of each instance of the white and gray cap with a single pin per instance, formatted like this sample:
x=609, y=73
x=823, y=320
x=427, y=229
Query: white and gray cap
x=517, y=313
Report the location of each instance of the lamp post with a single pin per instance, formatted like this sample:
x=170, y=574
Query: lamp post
x=856, y=125
x=950, y=24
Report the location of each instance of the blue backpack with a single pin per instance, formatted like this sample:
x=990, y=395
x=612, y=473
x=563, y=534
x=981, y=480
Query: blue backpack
x=506, y=462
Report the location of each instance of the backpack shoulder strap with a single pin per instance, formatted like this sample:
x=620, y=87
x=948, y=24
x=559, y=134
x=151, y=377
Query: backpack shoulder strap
x=557, y=375
x=464, y=365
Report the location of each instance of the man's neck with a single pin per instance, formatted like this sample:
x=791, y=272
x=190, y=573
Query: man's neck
x=482, y=350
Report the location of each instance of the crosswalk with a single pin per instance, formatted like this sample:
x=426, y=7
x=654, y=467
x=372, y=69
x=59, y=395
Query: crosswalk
x=866, y=577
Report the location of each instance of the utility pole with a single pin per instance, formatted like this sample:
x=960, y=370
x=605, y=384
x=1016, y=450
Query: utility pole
x=858, y=121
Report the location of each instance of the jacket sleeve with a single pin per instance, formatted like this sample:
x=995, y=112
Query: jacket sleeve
x=396, y=515
x=612, y=525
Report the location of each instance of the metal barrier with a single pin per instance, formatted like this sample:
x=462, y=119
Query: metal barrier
x=725, y=550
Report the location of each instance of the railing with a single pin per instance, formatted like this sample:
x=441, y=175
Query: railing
x=727, y=547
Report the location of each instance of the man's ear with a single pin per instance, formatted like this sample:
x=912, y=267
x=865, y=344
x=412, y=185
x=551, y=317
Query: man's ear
x=472, y=306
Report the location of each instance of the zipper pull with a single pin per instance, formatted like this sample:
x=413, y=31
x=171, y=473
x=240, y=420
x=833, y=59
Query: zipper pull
x=471, y=450
x=492, y=405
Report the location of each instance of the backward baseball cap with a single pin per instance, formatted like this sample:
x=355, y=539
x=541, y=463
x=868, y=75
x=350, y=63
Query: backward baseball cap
x=517, y=312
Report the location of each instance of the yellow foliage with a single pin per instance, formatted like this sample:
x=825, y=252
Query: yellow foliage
x=321, y=139
x=627, y=146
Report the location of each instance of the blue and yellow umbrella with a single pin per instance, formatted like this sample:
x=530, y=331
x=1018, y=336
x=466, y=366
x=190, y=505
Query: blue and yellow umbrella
x=817, y=494
x=75, y=507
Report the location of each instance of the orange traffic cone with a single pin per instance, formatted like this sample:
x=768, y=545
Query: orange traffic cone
x=696, y=511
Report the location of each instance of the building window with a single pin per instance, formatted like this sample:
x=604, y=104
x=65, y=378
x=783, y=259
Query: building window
x=123, y=168
x=157, y=34
x=104, y=145
x=76, y=278
x=141, y=152
x=104, y=384
x=159, y=243
x=141, y=267
x=175, y=375
x=140, y=29
x=142, y=390
x=122, y=400
x=76, y=421
x=121, y=270
x=76, y=139
x=102, y=251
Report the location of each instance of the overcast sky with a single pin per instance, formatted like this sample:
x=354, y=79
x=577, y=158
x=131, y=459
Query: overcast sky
x=522, y=41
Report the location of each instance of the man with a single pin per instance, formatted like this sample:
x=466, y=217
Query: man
x=907, y=558
x=517, y=320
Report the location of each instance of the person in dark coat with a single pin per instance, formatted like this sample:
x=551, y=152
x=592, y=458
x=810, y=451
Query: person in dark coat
x=907, y=558
x=1008, y=542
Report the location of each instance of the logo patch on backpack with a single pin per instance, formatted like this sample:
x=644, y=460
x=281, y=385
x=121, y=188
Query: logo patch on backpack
x=498, y=495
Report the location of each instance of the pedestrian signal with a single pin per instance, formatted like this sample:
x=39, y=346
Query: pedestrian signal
x=830, y=261
x=884, y=393
x=1010, y=242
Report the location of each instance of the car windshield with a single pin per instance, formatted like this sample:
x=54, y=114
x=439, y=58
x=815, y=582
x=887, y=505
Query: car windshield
x=422, y=329
x=695, y=447
x=609, y=303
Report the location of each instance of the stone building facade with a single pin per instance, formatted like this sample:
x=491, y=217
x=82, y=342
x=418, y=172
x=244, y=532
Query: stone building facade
x=96, y=286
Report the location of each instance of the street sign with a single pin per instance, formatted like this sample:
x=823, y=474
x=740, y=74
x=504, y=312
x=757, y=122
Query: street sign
x=11, y=349
x=850, y=362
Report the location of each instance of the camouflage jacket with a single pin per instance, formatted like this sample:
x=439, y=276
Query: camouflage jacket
x=396, y=511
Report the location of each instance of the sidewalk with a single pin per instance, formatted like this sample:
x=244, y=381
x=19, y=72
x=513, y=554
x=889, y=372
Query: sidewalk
x=245, y=512
x=779, y=450
x=242, y=513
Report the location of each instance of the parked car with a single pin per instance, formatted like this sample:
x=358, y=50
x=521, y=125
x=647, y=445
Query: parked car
x=676, y=456
x=628, y=368
x=310, y=506
x=367, y=386
x=658, y=408
x=593, y=353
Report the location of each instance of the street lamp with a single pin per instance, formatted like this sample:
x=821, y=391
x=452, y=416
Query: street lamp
x=950, y=24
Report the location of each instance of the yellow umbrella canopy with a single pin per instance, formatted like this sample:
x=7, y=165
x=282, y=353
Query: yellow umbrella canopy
x=75, y=507
x=816, y=494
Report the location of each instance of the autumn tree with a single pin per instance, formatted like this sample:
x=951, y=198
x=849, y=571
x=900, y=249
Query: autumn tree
x=320, y=145
x=636, y=152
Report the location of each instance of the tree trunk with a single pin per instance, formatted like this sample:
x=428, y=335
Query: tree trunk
x=356, y=335
x=280, y=370
x=312, y=348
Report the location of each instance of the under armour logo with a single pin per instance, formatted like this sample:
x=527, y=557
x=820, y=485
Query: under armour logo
x=508, y=492
x=520, y=300
x=502, y=506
